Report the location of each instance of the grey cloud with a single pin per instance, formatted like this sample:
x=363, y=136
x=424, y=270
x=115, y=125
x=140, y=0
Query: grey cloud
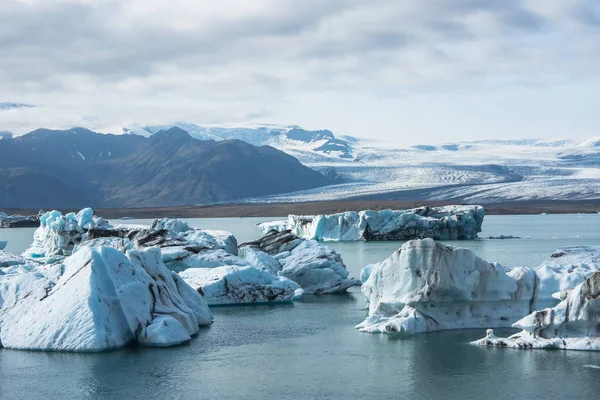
x=103, y=56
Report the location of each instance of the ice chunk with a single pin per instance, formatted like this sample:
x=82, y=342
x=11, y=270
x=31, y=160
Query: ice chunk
x=98, y=299
x=314, y=266
x=58, y=234
x=18, y=221
x=213, y=239
x=261, y=260
x=574, y=324
x=427, y=286
x=441, y=223
x=240, y=285
x=3, y=244
x=9, y=259
x=178, y=259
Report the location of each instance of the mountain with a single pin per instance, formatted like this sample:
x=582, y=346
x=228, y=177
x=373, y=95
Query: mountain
x=76, y=167
x=306, y=145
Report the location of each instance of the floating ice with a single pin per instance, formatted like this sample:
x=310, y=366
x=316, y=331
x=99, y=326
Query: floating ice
x=314, y=266
x=58, y=234
x=574, y=324
x=440, y=223
x=18, y=221
x=427, y=286
x=240, y=285
x=98, y=299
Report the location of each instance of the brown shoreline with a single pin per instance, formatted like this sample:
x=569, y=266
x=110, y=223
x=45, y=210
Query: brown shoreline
x=329, y=207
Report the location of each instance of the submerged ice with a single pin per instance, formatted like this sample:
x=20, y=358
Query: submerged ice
x=440, y=223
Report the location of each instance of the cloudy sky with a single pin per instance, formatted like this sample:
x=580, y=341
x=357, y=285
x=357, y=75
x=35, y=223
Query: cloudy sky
x=424, y=71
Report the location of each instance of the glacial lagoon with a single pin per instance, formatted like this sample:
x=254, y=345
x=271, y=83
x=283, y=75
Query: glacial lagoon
x=310, y=349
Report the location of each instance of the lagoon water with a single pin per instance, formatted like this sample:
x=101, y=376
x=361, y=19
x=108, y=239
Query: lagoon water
x=310, y=349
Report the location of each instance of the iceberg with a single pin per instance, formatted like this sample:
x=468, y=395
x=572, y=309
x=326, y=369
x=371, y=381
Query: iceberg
x=18, y=221
x=3, y=244
x=312, y=265
x=427, y=286
x=98, y=299
x=240, y=285
x=440, y=223
x=58, y=234
x=573, y=324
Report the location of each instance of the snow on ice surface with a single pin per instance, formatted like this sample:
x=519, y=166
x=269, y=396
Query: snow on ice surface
x=9, y=259
x=573, y=324
x=427, y=286
x=442, y=223
x=98, y=299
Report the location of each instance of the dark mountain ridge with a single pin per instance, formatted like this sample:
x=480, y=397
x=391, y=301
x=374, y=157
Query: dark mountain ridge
x=78, y=167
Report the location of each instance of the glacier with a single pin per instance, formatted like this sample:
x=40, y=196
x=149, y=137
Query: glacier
x=314, y=266
x=427, y=286
x=98, y=299
x=440, y=223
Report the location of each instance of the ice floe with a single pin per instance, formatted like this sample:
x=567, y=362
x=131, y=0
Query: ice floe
x=440, y=223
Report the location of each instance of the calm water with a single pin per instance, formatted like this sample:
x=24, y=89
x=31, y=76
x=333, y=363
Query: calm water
x=310, y=349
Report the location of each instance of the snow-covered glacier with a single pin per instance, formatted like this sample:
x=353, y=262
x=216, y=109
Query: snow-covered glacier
x=440, y=223
x=428, y=286
x=98, y=299
x=573, y=324
x=314, y=266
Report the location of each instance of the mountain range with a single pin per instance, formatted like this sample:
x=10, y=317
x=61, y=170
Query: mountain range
x=77, y=167
x=483, y=171
x=185, y=163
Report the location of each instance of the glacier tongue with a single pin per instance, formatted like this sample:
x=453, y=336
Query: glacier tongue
x=98, y=299
x=427, y=286
x=440, y=223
